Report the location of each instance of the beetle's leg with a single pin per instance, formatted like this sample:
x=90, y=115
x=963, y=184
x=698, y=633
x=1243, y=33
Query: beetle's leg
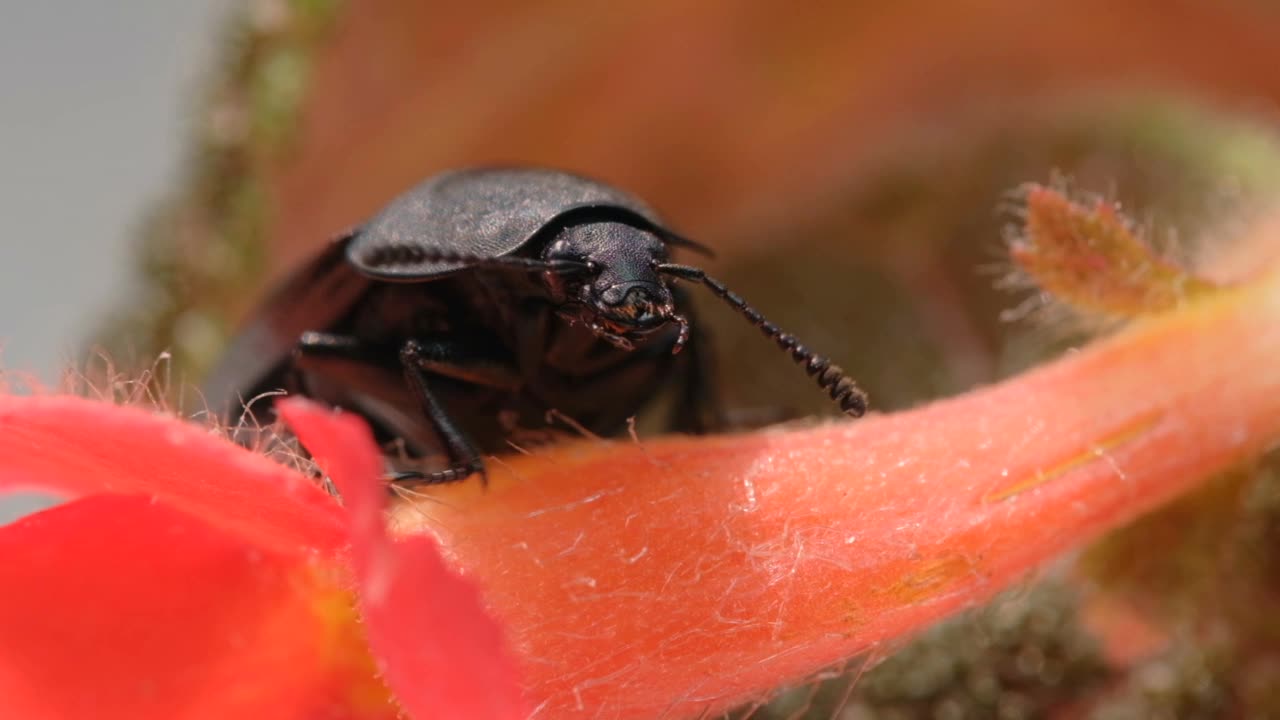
x=331, y=355
x=325, y=361
x=415, y=358
x=454, y=357
x=319, y=344
x=464, y=360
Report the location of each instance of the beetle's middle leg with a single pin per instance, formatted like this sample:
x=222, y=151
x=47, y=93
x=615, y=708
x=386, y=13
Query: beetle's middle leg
x=463, y=455
x=464, y=361
x=418, y=358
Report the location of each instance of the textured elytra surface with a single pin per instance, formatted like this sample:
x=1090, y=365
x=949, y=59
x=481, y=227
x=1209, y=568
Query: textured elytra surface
x=484, y=212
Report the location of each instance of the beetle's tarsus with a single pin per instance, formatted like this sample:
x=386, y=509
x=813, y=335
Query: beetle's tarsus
x=440, y=477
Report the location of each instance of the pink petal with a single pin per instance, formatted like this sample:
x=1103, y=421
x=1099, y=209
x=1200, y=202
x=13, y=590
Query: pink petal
x=81, y=447
x=119, y=607
x=439, y=648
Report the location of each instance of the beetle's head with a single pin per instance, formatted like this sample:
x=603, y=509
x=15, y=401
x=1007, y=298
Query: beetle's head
x=621, y=296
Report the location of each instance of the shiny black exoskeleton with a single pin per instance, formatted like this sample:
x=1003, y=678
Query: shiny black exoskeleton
x=481, y=300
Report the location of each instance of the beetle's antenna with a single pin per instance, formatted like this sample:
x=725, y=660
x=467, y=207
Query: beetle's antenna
x=384, y=255
x=842, y=389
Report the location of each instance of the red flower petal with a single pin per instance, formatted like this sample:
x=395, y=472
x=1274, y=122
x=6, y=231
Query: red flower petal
x=81, y=447
x=119, y=607
x=440, y=650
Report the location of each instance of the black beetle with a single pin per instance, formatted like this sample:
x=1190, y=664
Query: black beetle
x=495, y=295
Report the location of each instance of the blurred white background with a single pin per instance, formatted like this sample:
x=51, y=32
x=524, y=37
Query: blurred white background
x=96, y=99
x=95, y=102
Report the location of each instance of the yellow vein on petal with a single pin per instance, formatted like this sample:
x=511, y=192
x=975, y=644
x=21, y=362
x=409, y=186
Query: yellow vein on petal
x=1094, y=452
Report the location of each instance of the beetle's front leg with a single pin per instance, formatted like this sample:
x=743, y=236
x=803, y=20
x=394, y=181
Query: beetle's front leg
x=416, y=358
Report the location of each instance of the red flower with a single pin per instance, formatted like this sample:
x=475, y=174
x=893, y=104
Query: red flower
x=193, y=579
x=190, y=578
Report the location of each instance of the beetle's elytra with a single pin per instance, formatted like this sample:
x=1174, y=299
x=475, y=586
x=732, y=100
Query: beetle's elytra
x=481, y=300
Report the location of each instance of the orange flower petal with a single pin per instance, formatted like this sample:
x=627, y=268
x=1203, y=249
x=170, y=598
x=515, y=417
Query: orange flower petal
x=81, y=447
x=121, y=607
x=681, y=576
x=438, y=647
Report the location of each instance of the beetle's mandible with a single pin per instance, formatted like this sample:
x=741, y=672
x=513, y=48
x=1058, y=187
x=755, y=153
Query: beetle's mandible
x=481, y=300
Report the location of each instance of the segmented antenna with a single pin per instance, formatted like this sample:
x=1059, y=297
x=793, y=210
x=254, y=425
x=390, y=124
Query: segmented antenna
x=389, y=254
x=842, y=389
